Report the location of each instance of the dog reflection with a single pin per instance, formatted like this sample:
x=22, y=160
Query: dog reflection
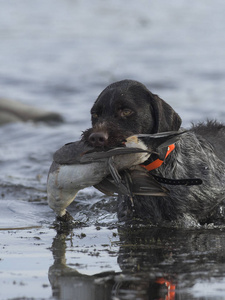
x=156, y=264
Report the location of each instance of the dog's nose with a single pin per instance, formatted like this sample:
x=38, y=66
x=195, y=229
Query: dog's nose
x=98, y=139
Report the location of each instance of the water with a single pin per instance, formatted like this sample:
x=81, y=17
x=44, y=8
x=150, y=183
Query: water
x=59, y=55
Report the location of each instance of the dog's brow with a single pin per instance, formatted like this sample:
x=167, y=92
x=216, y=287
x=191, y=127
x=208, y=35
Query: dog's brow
x=120, y=102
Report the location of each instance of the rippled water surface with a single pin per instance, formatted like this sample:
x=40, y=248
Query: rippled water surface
x=59, y=55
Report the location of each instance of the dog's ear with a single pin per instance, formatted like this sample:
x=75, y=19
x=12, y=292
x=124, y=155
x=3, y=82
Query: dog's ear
x=166, y=119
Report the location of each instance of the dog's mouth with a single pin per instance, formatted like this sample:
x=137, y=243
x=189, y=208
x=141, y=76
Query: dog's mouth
x=105, y=139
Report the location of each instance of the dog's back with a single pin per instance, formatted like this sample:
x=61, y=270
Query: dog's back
x=214, y=133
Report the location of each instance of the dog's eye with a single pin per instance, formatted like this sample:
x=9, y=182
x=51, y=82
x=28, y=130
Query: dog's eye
x=126, y=112
x=94, y=115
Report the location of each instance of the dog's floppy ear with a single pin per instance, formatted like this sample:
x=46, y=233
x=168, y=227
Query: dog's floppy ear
x=166, y=119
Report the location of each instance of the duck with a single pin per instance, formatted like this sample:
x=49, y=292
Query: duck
x=118, y=170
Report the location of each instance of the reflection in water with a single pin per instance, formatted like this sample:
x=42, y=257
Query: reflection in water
x=67, y=283
x=156, y=263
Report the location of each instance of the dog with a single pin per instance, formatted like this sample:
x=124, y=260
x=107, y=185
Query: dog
x=127, y=107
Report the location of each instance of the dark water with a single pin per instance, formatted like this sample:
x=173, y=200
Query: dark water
x=59, y=55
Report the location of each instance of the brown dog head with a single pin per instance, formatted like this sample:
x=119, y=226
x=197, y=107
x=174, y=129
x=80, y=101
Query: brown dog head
x=125, y=108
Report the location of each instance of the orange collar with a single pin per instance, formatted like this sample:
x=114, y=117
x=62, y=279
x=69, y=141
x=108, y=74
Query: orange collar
x=158, y=162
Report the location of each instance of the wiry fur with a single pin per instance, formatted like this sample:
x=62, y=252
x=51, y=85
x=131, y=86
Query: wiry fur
x=192, y=157
x=198, y=154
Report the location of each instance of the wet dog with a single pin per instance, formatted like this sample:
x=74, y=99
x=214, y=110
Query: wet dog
x=127, y=107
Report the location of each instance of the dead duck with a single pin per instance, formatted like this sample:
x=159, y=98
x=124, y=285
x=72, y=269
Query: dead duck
x=78, y=165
